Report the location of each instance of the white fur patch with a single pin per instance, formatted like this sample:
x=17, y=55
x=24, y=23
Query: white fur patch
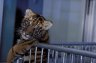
x=25, y=37
x=29, y=13
x=47, y=25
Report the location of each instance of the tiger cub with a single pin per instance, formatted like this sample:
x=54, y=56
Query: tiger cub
x=33, y=30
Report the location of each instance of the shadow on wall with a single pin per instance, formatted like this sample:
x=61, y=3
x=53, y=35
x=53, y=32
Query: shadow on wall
x=18, y=19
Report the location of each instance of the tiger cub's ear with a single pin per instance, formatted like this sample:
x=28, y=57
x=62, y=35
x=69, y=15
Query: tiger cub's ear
x=29, y=13
x=47, y=25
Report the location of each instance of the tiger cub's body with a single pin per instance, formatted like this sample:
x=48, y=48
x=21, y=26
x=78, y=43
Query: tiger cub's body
x=34, y=29
x=20, y=49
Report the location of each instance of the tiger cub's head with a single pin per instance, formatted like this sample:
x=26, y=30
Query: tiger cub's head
x=37, y=20
x=33, y=22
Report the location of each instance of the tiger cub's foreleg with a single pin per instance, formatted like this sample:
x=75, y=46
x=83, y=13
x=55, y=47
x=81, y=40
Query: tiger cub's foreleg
x=20, y=49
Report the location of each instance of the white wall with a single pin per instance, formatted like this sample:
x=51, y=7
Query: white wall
x=94, y=31
x=90, y=31
x=90, y=23
x=68, y=19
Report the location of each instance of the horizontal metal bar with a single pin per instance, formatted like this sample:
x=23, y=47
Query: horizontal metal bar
x=67, y=50
x=74, y=43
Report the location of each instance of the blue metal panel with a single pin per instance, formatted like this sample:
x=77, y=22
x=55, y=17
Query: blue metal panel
x=1, y=14
x=8, y=27
x=36, y=6
x=22, y=5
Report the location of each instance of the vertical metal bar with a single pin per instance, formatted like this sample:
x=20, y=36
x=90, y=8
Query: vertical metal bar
x=81, y=59
x=56, y=56
x=63, y=57
x=35, y=54
x=48, y=55
x=91, y=61
x=20, y=60
x=52, y=55
x=93, y=50
x=42, y=55
x=72, y=60
x=30, y=56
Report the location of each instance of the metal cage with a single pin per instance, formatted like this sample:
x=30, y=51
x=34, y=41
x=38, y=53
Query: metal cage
x=75, y=52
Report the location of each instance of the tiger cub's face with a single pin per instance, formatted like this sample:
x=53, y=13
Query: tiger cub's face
x=37, y=20
x=33, y=21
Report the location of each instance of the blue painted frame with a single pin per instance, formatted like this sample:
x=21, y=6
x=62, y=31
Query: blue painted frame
x=8, y=27
x=1, y=16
